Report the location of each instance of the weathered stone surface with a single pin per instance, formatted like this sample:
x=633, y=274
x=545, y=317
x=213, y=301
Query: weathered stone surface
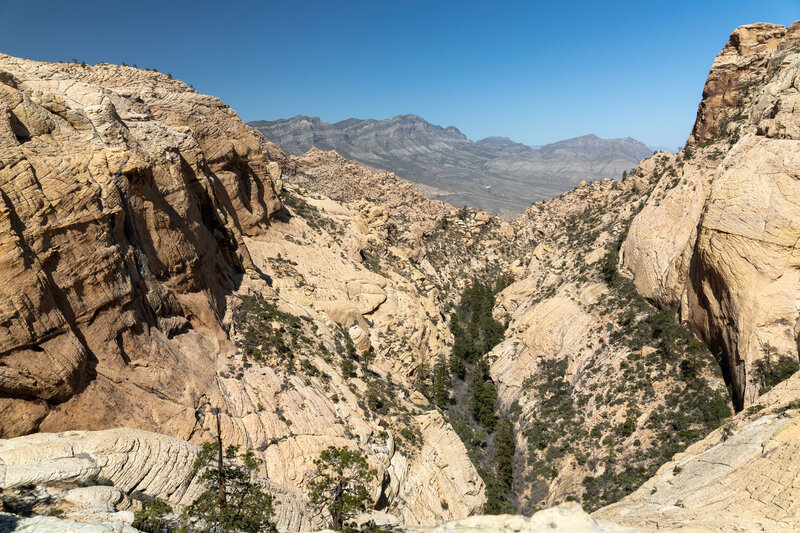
x=743, y=477
x=554, y=329
x=135, y=213
x=719, y=238
x=565, y=518
x=47, y=524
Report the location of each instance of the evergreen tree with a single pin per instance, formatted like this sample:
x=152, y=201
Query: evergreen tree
x=482, y=395
x=349, y=345
x=422, y=380
x=348, y=369
x=338, y=484
x=233, y=500
x=504, y=448
x=496, y=496
x=441, y=383
x=457, y=367
x=499, y=483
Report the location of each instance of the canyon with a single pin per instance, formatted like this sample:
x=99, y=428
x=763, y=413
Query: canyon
x=163, y=261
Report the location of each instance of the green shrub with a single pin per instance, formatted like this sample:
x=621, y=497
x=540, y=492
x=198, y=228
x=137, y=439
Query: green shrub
x=772, y=368
x=348, y=369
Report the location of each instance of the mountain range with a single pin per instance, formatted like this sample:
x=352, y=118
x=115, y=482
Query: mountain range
x=494, y=174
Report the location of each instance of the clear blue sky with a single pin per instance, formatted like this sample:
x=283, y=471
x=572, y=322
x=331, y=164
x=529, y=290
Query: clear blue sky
x=533, y=71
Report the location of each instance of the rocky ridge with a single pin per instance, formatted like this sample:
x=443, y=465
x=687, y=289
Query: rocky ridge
x=731, y=211
x=712, y=235
x=177, y=202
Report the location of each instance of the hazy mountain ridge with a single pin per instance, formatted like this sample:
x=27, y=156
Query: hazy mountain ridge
x=495, y=174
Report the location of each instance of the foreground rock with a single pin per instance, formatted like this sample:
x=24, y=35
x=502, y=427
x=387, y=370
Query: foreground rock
x=565, y=518
x=742, y=477
x=70, y=471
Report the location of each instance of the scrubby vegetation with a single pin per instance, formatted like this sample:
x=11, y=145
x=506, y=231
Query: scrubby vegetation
x=618, y=435
x=472, y=411
x=313, y=216
x=631, y=431
x=264, y=329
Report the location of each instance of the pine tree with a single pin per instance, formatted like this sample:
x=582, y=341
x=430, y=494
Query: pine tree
x=487, y=418
x=422, y=380
x=233, y=500
x=504, y=448
x=338, y=484
x=457, y=367
x=154, y=517
x=441, y=383
x=499, y=482
x=482, y=395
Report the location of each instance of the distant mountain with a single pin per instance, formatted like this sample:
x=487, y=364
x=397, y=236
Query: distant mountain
x=495, y=174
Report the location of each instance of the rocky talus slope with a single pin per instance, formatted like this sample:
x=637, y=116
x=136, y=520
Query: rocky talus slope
x=163, y=260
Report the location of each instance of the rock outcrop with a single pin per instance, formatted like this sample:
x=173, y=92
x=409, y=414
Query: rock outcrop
x=65, y=466
x=145, y=247
x=719, y=235
x=124, y=199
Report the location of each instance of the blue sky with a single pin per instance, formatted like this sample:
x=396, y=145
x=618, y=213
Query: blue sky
x=532, y=71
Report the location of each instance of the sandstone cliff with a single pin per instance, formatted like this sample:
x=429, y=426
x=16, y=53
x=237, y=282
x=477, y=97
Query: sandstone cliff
x=125, y=200
x=153, y=274
x=719, y=235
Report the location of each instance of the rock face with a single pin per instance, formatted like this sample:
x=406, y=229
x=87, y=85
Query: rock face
x=493, y=174
x=742, y=477
x=719, y=236
x=124, y=198
x=144, y=247
x=42, y=524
